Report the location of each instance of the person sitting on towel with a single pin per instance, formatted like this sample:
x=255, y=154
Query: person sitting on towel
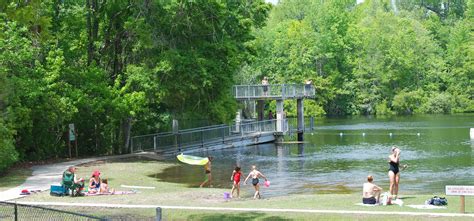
x=95, y=182
x=371, y=192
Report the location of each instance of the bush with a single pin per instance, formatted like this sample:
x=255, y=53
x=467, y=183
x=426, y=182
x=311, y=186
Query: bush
x=382, y=109
x=8, y=154
x=407, y=102
x=438, y=104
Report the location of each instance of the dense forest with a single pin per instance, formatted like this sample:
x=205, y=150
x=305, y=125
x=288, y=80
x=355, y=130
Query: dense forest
x=117, y=68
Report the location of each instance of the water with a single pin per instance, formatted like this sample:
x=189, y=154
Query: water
x=437, y=150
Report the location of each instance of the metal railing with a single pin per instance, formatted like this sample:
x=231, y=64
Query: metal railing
x=274, y=91
x=202, y=136
x=213, y=135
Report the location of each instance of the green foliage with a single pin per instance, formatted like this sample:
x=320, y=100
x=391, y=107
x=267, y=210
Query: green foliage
x=116, y=68
x=8, y=154
x=407, y=102
x=438, y=104
x=383, y=109
x=368, y=58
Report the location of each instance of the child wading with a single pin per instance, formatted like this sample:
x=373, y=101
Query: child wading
x=236, y=174
x=255, y=174
x=207, y=171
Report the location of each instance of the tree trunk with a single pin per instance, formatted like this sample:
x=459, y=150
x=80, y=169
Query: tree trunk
x=126, y=129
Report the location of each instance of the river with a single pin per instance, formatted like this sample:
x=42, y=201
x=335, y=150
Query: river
x=339, y=154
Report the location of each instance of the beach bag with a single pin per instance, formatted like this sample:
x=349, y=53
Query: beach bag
x=437, y=201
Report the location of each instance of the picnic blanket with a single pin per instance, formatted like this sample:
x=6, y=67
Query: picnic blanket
x=361, y=204
x=111, y=193
x=424, y=206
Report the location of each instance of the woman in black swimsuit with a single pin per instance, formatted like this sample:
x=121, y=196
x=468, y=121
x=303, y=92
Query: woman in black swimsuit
x=394, y=171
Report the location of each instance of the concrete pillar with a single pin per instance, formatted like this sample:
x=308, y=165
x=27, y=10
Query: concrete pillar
x=280, y=116
x=300, y=111
x=175, y=128
x=238, y=120
x=260, y=112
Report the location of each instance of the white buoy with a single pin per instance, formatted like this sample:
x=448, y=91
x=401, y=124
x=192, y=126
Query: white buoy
x=390, y=134
x=417, y=134
x=312, y=134
x=363, y=134
x=340, y=134
x=472, y=133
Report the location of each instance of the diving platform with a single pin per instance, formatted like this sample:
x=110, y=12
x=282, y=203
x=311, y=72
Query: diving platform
x=261, y=93
x=273, y=91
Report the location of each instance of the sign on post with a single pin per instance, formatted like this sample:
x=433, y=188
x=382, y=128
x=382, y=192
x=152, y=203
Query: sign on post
x=72, y=134
x=460, y=191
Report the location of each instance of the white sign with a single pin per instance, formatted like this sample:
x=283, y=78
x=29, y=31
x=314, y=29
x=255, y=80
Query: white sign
x=72, y=135
x=460, y=190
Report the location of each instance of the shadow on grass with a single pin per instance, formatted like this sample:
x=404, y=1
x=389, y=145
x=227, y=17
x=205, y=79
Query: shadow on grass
x=235, y=216
x=406, y=197
x=14, y=177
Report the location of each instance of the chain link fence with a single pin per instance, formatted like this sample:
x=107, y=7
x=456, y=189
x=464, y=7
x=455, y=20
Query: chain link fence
x=24, y=211
x=14, y=211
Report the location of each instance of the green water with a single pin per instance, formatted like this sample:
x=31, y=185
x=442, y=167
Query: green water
x=341, y=152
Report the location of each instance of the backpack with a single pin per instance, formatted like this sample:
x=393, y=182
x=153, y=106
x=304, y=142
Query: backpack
x=437, y=201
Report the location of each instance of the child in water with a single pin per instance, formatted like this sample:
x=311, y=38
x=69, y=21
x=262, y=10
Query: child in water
x=255, y=174
x=236, y=178
x=207, y=171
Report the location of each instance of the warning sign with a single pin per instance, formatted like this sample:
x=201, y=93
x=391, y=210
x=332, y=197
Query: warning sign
x=460, y=190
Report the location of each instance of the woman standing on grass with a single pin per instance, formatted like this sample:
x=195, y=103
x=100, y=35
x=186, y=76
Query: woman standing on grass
x=255, y=174
x=394, y=171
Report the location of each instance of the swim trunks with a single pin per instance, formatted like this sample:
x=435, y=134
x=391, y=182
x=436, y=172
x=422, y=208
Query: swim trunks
x=370, y=200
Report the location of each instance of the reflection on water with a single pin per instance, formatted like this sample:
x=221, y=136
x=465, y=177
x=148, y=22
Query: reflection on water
x=437, y=149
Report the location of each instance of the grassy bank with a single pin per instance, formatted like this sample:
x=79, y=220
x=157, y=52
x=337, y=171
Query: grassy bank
x=14, y=177
x=172, y=194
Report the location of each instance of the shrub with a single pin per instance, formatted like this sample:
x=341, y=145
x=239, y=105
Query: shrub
x=438, y=104
x=8, y=154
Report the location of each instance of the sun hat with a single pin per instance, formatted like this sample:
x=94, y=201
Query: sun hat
x=96, y=173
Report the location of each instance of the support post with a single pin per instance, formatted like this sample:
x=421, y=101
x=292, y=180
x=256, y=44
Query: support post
x=463, y=205
x=260, y=106
x=16, y=211
x=175, y=128
x=300, y=111
x=159, y=213
x=154, y=143
x=237, y=121
x=280, y=116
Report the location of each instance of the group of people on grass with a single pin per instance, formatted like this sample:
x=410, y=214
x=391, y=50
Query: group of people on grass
x=235, y=178
x=371, y=192
x=96, y=184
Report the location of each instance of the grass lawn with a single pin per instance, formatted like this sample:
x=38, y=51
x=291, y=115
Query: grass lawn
x=14, y=177
x=171, y=194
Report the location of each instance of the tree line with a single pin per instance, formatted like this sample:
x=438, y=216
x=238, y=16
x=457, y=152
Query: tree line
x=380, y=57
x=115, y=68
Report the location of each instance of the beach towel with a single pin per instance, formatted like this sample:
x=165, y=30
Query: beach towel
x=111, y=193
x=361, y=204
x=427, y=207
